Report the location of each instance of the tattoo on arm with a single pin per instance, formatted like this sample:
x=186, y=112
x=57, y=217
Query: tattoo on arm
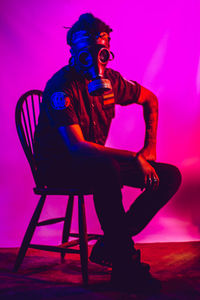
x=150, y=111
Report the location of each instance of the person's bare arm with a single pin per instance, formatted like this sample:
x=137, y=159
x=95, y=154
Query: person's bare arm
x=150, y=111
x=78, y=146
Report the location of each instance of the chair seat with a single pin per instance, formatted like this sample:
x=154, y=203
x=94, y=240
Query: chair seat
x=62, y=191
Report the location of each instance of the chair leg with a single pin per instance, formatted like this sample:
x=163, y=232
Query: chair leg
x=83, y=239
x=29, y=233
x=67, y=223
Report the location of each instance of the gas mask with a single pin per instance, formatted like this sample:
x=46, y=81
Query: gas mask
x=90, y=56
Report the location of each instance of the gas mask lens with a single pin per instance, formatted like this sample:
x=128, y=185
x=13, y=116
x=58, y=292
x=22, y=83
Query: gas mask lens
x=104, y=55
x=85, y=58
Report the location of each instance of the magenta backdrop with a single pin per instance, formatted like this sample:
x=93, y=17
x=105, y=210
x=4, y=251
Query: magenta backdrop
x=156, y=43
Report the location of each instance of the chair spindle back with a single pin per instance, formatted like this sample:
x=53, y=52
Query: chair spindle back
x=26, y=118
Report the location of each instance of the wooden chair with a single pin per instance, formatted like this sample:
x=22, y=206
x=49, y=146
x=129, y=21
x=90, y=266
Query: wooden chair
x=26, y=115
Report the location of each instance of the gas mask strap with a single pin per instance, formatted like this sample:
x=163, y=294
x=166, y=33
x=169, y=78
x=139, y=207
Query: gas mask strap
x=113, y=56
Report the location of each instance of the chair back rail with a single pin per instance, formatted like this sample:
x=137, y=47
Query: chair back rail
x=26, y=118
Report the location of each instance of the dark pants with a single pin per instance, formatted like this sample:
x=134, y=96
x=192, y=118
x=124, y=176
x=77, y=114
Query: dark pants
x=106, y=176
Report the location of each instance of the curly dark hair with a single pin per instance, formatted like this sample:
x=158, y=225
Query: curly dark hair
x=90, y=24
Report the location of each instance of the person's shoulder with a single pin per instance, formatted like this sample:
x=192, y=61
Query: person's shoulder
x=63, y=76
x=61, y=81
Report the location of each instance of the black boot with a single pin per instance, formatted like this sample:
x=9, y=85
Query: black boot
x=133, y=277
x=102, y=255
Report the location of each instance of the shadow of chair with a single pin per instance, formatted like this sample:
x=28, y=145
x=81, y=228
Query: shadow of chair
x=26, y=116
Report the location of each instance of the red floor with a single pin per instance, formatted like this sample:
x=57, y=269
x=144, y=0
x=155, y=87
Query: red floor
x=42, y=276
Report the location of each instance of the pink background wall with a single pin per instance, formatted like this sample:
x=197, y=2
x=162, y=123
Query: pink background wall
x=156, y=43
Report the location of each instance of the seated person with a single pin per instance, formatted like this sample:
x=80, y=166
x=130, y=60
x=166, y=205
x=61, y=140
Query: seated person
x=76, y=112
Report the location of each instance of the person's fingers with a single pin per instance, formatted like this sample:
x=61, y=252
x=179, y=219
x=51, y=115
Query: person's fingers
x=148, y=181
x=152, y=181
x=155, y=181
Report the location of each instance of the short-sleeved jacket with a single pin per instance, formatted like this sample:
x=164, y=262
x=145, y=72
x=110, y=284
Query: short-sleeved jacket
x=66, y=101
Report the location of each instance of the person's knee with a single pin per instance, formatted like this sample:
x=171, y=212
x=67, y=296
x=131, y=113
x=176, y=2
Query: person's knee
x=171, y=177
x=175, y=177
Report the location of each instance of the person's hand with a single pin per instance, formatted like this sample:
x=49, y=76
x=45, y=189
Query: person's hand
x=151, y=179
x=149, y=152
